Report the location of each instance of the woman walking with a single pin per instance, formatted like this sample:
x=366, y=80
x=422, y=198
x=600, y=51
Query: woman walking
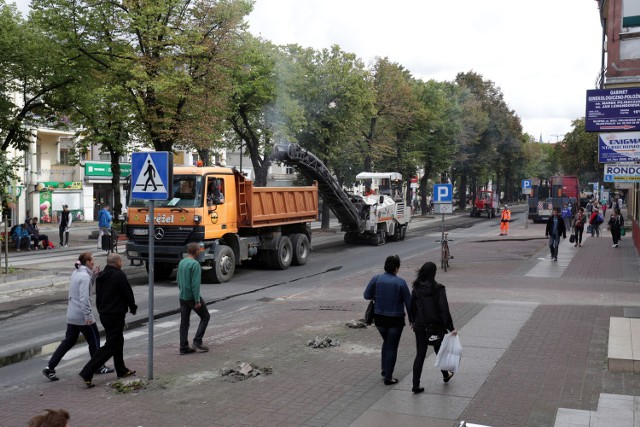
x=432, y=319
x=616, y=222
x=578, y=226
x=390, y=294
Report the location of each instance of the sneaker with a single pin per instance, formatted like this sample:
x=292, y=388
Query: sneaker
x=50, y=373
x=201, y=348
x=615, y=246
x=555, y=259
x=66, y=246
x=104, y=370
x=188, y=350
x=18, y=250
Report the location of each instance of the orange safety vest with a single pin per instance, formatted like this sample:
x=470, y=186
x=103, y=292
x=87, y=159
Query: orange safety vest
x=506, y=215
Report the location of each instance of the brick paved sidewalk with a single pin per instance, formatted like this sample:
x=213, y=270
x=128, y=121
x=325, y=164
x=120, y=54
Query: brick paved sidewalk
x=556, y=359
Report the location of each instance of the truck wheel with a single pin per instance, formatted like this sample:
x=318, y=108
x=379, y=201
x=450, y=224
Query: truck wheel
x=224, y=266
x=161, y=270
x=350, y=238
x=301, y=249
x=283, y=255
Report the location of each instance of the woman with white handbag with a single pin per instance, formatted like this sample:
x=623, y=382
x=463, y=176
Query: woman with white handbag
x=432, y=319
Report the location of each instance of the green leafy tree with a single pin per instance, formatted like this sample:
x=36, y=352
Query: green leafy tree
x=32, y=67
x=334, y=89
x=577, y=153
x=171, y=56
x=262, y=109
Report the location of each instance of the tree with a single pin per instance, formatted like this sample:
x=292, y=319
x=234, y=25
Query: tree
x=262, y=108
x=334, y=89
x=171, y=56
x=578, y=153
x=31, y=69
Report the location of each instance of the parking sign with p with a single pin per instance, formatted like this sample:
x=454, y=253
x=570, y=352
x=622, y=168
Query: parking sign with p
x=442, y=193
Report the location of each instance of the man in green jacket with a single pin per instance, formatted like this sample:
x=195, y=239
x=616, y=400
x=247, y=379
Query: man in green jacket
x=189, y=274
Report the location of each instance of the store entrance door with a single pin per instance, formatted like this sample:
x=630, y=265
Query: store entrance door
x=102, y=195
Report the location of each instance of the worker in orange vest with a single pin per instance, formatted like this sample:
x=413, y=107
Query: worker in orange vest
x=505, y=220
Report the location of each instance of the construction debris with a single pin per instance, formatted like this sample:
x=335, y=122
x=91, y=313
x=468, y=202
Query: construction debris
x=357, y=324
x=323, y=343
x=245, y=370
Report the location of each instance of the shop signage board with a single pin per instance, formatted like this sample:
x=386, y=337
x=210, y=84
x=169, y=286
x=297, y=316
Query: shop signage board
x=619, y=147
x=622, y=172
x=612, y=110
x=104, y=169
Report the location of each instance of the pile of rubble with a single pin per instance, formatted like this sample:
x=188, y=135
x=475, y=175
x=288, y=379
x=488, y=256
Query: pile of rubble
x=245, y=370
x=323, y=343
x=357, y=324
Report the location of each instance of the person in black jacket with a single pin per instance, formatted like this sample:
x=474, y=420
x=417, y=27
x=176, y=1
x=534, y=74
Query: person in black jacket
x=555, y=229
x=432, y=319
x=114, y=297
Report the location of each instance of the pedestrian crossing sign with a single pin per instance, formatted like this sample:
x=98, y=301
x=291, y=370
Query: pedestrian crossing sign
x=151, y=175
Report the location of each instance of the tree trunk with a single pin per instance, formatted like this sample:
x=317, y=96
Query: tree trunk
x=462, y=192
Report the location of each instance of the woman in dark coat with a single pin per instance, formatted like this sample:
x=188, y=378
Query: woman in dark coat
x=616, y=222
x=432, y=319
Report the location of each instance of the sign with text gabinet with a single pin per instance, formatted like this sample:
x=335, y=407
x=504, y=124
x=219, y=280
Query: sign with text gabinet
x=151, y=175
x=618, y=147
x=610, y=110
x=622, y=172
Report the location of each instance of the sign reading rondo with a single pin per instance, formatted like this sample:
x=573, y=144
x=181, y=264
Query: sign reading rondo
x=622, y=172
x=104, y=169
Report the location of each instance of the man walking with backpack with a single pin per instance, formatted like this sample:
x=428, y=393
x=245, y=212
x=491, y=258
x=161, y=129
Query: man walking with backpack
x=595, y=220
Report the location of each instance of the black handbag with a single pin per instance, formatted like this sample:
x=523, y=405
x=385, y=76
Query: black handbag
x=572, y=238
x=368, y=315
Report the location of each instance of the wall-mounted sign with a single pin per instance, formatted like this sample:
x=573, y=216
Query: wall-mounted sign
x=104, y=169
x=618, y=147
x=611, y=110
x=622, y=172
x=51, y=185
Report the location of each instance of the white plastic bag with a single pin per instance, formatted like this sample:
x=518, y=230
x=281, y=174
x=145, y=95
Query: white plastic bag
x=448, y=358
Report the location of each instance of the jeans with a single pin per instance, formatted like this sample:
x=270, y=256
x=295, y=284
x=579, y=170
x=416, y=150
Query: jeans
x=595, y=230
x=615, y=234
x=578, y=231
x=113, y=347
x=185, y=314
x=91, y=335
x=390, y=343
x=422, y=342
x=554, y=242
x=64, y=235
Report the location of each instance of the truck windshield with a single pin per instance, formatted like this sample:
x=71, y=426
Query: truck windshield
x=187, y=193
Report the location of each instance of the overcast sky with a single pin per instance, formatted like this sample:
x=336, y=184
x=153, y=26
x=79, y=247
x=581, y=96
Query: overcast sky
x=542, y=54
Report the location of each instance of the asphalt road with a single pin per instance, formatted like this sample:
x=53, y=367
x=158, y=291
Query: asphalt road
x=25, y=334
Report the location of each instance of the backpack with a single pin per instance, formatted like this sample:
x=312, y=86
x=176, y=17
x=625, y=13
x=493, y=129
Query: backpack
x=599, y=219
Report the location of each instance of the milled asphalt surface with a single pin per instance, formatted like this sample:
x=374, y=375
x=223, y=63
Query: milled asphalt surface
x=534, y=334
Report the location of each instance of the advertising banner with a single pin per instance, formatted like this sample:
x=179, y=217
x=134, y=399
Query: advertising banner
x=618, y=147
x=612, y=110
x=622, y=172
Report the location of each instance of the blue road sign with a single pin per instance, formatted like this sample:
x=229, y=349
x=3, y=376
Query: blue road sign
x=151, y=175
x=442, y=193
x=526, y=183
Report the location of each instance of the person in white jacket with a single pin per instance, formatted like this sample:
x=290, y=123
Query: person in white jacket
x=80, y=318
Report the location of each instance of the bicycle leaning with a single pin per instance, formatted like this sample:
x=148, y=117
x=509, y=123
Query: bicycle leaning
x=445, y=254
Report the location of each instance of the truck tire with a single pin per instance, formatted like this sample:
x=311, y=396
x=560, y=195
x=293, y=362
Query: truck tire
x=301, y=249
x=224, y=266
x=282, y=256
x=161, y=270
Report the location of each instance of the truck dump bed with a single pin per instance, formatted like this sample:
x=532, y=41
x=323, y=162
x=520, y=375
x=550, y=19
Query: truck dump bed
x=272, y=206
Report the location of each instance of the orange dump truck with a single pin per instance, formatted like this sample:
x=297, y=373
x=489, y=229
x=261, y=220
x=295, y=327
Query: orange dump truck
x=231, y=220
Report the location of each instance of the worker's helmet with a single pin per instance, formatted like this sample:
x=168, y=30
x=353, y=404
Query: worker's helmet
x=506, y=206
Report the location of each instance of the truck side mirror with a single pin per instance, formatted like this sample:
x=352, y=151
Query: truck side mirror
x=381, y=200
